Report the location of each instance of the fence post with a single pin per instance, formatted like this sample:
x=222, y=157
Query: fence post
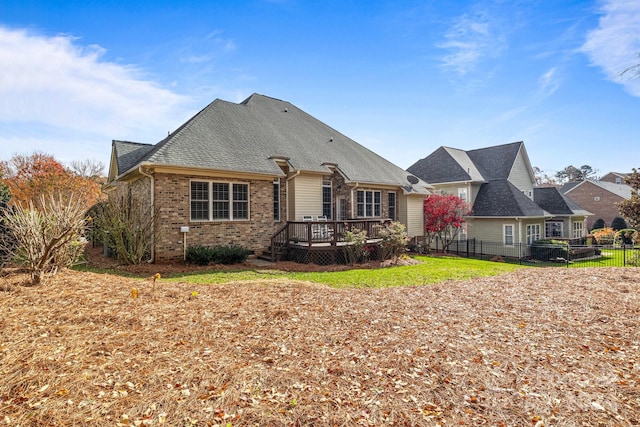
x=624, y=255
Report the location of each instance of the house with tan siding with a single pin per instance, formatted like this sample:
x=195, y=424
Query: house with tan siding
x=237, y=173
x=508, y=210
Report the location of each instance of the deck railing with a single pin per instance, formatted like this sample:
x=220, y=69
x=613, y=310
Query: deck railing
x=320, y=233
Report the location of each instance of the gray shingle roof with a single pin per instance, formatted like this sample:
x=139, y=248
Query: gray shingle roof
x=128, y=154
x=620, y=190
x=453, y=165
x=495, y=162
x=491, y=167
x=247, y=136
x=500, y=198
x=553, y=201
x=440, y=166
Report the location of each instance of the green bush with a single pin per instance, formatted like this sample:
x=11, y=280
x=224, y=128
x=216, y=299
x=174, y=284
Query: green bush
x=356, y=240
x=204, y=255
x=618, y=223
x=549, y=249
x=394, y=240
x=598, y=224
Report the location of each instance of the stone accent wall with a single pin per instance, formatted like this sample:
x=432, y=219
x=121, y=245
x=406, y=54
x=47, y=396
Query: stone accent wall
x=172, y=198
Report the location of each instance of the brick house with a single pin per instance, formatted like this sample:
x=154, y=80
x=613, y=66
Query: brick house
x=599, y=197
x=235, y=173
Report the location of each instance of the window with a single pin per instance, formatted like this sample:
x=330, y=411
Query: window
x=596, y=199
x=276, y=200
x=553, y=229
x=392, y=206
x=508, y=234
x=528, y=193
x=199, y=200
x=462, y=233
x=368, y=203
x=462, y=193
x=533, y=233
x=219, y=201
x=618, y=180
x=326, y=199
x=578, y=229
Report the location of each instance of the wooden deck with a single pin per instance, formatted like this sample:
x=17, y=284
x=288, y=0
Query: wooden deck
x=320, y=242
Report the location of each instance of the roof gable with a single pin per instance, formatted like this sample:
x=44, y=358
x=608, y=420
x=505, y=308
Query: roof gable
x=443, y=165
x=495, y=162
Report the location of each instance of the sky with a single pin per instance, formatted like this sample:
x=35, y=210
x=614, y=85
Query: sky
x=400, y=77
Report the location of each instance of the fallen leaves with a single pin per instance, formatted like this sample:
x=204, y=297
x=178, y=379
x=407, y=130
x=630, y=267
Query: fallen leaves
x=536, y=347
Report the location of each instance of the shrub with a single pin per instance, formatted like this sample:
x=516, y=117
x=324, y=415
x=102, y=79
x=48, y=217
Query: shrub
x=394, y=240
x=598, y=224
x=604, y=236
x=354, y=249
x=127, y=227
x=47, y=238
x=618, y=223
x=204, y=255
x=626, y=236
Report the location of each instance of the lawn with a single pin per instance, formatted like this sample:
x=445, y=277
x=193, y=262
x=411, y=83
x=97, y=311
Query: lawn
x=429, y=270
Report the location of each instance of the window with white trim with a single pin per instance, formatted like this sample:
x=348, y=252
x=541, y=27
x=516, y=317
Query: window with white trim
x=578, y=229
x=553, y=229
x=508, y=234
x=462, y=193
x=219, y=201
x=533, y=233
x=368, y=203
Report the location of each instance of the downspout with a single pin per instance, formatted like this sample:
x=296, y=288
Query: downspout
x=153, y=213
x=298, y=172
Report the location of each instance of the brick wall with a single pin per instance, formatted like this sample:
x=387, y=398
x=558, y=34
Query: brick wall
x=584, y=196
x=172, y=199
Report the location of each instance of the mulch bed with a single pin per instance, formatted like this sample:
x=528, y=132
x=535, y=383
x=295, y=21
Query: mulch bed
x=536, y=347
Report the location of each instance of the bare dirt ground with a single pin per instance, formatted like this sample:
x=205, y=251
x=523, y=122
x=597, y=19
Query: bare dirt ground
x=540, y=346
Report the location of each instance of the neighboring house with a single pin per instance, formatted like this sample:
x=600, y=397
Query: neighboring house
x=237, y=173
x=614, y=177
x=499, y=183
x=599, y=197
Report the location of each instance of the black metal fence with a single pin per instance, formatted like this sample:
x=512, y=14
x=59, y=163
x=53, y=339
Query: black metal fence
x=569, y=255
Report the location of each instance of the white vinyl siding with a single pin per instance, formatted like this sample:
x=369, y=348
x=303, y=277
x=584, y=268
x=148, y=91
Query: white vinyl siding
x=411, y=214
x=305, y=196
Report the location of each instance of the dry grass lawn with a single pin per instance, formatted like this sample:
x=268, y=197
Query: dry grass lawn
x=552, y=347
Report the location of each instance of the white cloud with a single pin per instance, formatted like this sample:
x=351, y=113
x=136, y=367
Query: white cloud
x=470, y=40
x=548, y=83
x=54, y=86
x=615, y=45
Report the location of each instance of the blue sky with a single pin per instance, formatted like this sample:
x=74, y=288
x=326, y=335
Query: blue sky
x=400, y=77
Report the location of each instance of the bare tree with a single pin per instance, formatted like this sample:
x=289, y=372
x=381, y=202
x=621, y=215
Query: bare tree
x=88, y=168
